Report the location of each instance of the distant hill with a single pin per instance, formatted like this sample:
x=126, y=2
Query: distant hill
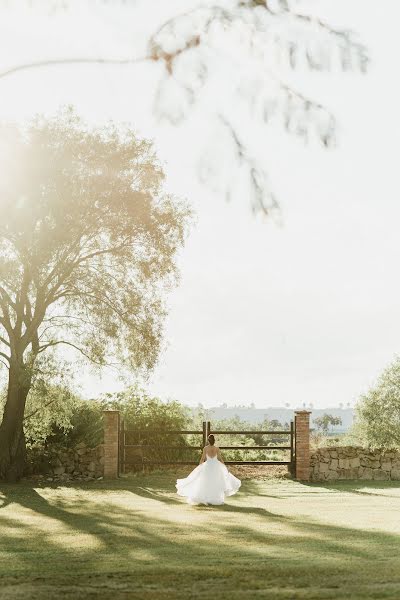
x=283, y=415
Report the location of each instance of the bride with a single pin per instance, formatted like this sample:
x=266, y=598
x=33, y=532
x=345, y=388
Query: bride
x=210, y=481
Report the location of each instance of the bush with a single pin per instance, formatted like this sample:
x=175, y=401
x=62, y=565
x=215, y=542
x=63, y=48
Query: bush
x=139, y=412
x=86, y=425
x=49, y=408
x=145, y=420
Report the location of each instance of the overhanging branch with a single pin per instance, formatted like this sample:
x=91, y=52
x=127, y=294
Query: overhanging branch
x=57, y=62
x=158, y=53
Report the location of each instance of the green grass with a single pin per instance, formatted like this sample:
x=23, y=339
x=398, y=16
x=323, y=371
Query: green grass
x=136, y=539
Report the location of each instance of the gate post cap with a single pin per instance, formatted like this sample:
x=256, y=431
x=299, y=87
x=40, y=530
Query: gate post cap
x=303, y=412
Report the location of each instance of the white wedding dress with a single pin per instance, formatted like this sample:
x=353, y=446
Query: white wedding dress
x=208, y=483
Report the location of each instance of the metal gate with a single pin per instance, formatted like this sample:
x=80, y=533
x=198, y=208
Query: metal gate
x=137, y=449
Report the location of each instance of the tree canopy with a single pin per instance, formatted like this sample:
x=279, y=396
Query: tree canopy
x=88, y=242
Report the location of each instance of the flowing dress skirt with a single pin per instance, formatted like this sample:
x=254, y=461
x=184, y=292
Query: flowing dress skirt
x=209, y=483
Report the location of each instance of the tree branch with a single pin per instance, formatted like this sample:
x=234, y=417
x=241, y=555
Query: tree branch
x=101, y=252
x=101, y=300
x=4, y=341
x=7, y=296
x=5, y=318
x=39, y=409
x=57, y=342
x=57, y=62
x=285, y=11
x=52, y=296
x=60, y=317
x=22, y=301
x=156, y=52
x=254, y=171
x=6, y=357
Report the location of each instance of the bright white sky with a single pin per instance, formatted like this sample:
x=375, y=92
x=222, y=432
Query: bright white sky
x=303, y=311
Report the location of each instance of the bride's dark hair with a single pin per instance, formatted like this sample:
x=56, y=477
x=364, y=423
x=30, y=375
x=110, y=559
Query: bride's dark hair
x=211, y=439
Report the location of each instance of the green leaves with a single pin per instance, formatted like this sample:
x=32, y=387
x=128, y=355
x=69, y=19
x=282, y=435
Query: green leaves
x=324, y=421
x=378, y=411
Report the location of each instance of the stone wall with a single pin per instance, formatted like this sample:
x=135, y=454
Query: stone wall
x=350, y=462
x=64, y=464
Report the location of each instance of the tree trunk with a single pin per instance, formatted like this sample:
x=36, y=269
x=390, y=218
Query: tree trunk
x=12, y=438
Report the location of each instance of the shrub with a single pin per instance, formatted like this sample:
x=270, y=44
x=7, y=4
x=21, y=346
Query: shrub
x=145, y=420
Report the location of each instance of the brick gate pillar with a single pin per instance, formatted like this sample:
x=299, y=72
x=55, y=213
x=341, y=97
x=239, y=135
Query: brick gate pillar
x=111, y=443
x=302, y=456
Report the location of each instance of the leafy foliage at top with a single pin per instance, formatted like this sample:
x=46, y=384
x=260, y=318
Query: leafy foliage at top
x=255, y=44
x=88, y=241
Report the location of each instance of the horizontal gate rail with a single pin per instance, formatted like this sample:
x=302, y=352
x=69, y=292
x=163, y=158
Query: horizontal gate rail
x=162, y=431
x=257, y=462
x=227, y=462
x=163, y=446
x=172, y=431
x=146, y=433
x=286, y=432
x=254, y=447
x=201, y=447
x=162, y=462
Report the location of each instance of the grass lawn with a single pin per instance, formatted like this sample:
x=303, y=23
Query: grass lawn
x=135, y=538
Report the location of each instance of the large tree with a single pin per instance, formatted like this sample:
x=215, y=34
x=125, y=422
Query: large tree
x=88, y=241
x=232, y=60
x=377, y=415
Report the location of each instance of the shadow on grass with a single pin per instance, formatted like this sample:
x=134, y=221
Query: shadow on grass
x=124, y=535
x=359, y=487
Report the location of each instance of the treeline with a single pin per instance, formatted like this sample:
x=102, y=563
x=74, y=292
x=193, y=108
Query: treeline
x=57, y=416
